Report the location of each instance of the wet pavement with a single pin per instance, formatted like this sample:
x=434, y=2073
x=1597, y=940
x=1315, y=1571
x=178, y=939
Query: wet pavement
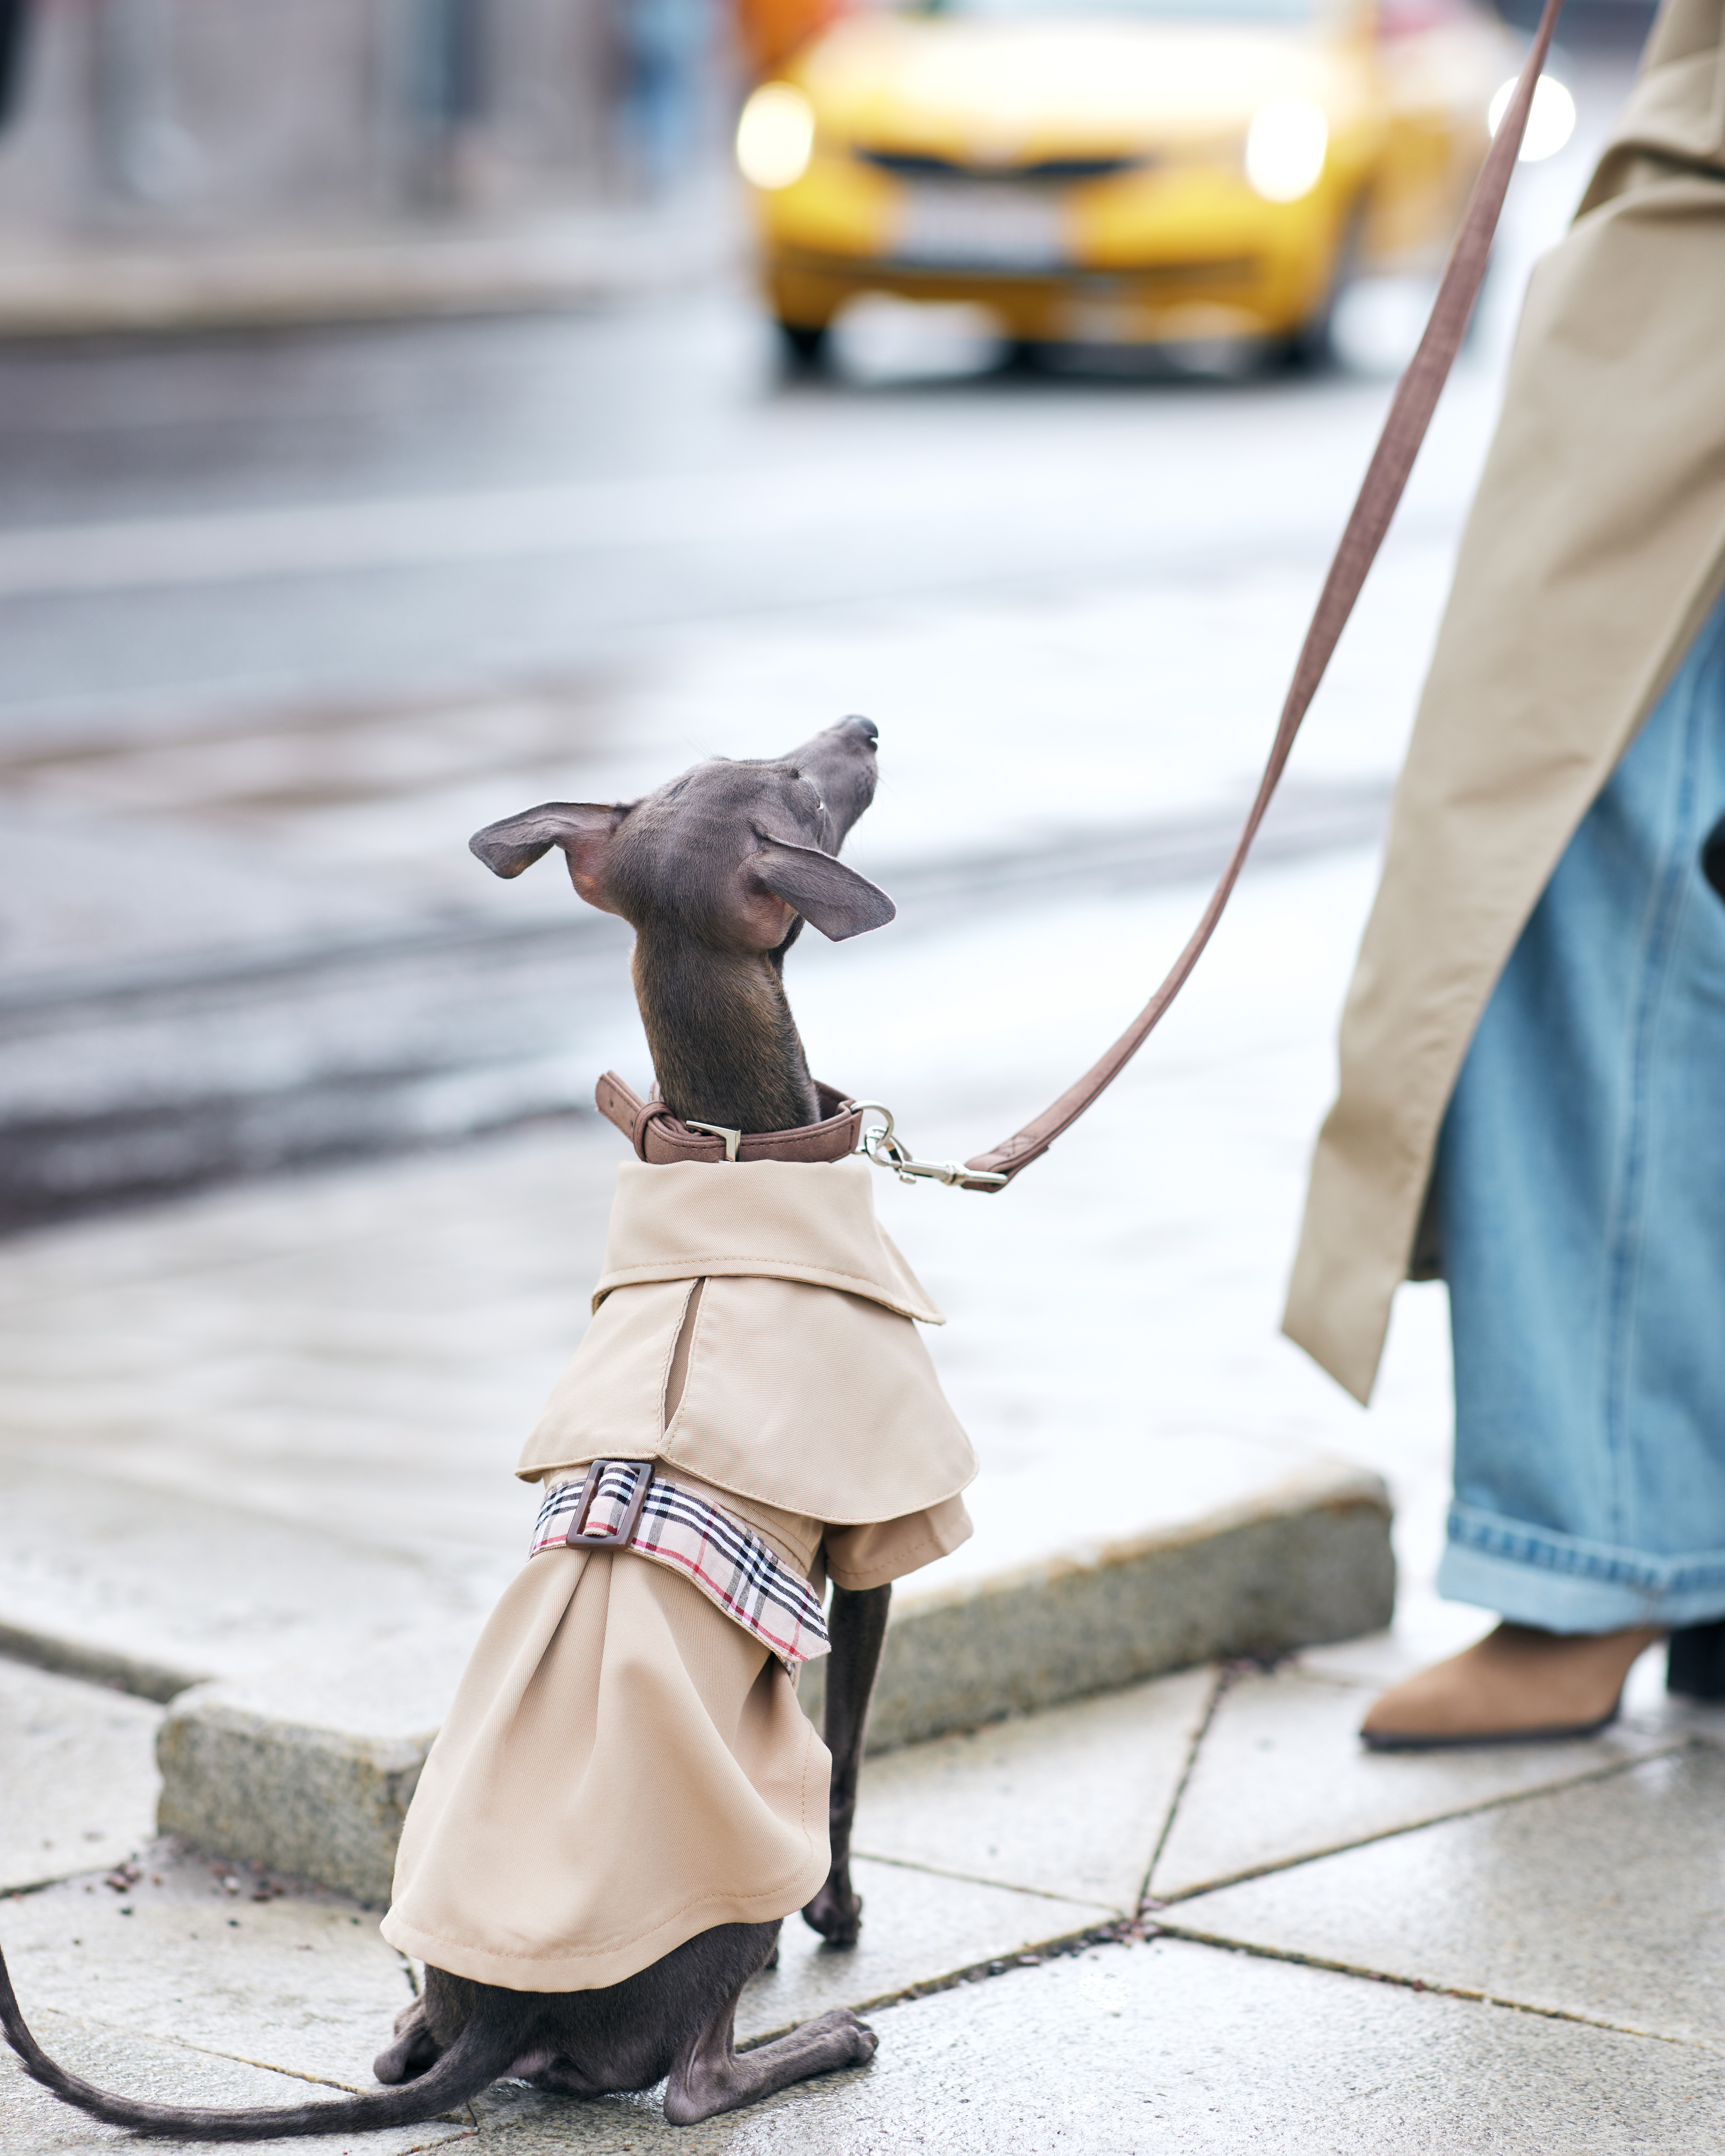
x=1512, y=1952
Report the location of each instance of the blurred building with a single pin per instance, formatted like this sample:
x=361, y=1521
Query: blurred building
x=152, y=121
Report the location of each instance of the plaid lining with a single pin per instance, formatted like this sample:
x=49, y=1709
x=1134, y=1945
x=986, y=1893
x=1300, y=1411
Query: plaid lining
x=729, y=1563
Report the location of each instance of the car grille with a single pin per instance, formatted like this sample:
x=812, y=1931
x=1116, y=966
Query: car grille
x=919, y=165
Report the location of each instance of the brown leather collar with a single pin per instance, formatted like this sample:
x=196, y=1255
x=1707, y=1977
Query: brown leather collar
x=658, y=1137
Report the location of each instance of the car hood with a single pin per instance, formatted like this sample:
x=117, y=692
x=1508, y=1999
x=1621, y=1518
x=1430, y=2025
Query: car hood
x=1007, y=92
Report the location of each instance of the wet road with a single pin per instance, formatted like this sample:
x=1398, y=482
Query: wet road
x=203, y=524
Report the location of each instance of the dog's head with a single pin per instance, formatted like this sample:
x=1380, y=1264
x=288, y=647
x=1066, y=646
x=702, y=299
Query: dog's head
x=733, y=854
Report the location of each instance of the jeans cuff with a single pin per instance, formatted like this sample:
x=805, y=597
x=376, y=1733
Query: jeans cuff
x=1565, y=1585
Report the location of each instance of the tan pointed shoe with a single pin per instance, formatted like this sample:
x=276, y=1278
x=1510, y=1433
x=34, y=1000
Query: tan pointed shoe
x=1518, y=1685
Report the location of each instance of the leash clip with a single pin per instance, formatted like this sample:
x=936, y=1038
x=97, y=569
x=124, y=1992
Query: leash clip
x=880, y=1145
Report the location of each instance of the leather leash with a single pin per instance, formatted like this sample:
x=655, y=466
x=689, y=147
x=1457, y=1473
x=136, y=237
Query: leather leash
x=658, y=1136
x=1380, y=491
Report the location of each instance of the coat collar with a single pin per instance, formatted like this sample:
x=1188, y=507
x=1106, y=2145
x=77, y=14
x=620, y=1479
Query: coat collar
x=812, y=1221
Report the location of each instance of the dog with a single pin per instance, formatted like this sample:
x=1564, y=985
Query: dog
x=715, y=871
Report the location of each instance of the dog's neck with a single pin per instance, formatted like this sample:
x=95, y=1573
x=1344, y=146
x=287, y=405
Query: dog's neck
x=725, y=1047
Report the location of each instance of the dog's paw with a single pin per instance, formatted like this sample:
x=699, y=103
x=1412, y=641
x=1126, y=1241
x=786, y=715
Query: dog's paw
x=836, y=1913
x=414, y=2049
x=866, y=2042
x=861, y=2041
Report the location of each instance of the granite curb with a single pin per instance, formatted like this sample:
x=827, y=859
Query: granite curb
x=64, y=1656
x=309, y=1769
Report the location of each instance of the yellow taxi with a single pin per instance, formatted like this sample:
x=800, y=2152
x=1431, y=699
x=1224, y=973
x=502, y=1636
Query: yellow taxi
x=1125, y=171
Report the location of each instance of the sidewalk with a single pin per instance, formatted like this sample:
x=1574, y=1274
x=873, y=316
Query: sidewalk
x=277, y=279
x=1511, y=1951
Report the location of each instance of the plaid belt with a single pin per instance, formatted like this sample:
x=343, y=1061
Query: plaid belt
x=621, y=1505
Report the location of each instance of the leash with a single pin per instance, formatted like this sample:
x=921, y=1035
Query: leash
x=657, y=1136
x=1380, y=491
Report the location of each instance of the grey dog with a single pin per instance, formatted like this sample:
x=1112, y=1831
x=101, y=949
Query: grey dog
x=717, y=873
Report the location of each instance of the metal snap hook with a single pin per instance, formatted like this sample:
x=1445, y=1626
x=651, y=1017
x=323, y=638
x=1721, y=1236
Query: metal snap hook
x=886, y=1149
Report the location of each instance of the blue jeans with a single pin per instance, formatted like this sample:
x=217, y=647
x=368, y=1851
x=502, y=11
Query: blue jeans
x=1581, y=1184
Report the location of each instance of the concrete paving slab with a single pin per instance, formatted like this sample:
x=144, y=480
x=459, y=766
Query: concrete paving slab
x=357, y=1354
x=171, y=1967
x=1282, y=1776
x=1604, y=1901
x=1140, y=2051
x=1071, y=1802
x=213, y=1959
x=919, y=1928
x=158, y=1590
x=34, y=2123
x=78, y=1775
x=190, y=1952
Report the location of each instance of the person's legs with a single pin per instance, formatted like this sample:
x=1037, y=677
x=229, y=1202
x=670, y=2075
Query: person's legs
x=1581, y=1190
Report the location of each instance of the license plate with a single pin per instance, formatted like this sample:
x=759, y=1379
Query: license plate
x=1106, y=318
x=971, y=225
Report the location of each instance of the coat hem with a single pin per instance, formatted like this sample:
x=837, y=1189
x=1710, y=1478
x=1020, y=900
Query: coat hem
x=598, y=1969
x=778, y=1501
x=858, y=1582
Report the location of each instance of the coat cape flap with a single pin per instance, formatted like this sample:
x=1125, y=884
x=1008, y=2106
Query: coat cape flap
x=806, y=1385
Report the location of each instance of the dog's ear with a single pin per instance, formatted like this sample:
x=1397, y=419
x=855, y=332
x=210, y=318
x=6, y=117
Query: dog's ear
x=584, y=829
x=1712, y=857
x=829, y=896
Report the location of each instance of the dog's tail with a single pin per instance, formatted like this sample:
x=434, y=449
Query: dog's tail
x=472, y=2063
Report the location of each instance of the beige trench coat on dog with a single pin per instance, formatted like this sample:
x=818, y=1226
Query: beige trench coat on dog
x=624, y=1766
x=1595, y=551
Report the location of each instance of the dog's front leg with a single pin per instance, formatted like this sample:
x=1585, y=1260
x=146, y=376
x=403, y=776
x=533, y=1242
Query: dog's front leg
x=857, y=1625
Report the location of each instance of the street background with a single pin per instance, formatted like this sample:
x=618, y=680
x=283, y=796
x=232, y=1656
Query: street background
x=289, y=616
x=297, y=1157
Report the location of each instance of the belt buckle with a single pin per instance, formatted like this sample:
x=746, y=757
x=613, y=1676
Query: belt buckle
x=579, y=1537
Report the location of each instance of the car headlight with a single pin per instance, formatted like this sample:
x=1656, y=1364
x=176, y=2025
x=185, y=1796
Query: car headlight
x=775, y=136
x=1285, y=147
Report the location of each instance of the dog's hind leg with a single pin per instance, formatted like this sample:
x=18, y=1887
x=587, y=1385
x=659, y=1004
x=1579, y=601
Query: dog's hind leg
x=710, y=2075
x=415, y=2047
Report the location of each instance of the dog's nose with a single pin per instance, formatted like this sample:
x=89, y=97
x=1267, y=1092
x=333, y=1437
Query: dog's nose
x=863, y=729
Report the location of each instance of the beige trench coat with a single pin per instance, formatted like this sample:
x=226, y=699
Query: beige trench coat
x=624, y=1766
x=1595, y=551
